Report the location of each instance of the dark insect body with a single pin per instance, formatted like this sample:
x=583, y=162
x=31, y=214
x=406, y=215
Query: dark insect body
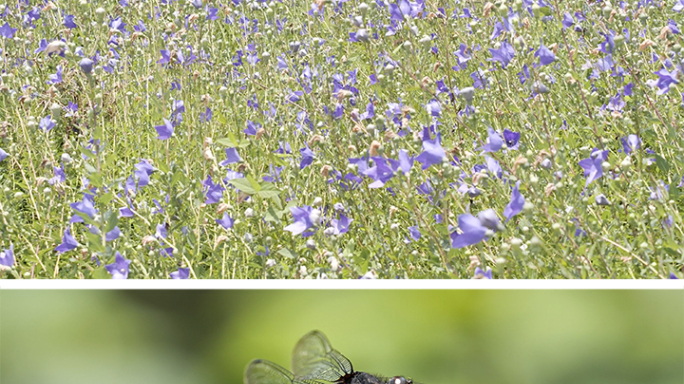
x=314, y=361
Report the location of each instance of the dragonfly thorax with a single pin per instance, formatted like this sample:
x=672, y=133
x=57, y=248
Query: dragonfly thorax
x=364, y=378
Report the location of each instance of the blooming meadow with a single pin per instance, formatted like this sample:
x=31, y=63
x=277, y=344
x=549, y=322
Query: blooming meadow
x=341, y=139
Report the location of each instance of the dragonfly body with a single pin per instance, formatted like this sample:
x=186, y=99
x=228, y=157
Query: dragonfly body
x=314, y=361
x=363, y=378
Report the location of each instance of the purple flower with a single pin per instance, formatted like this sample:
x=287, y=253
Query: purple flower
x=672, y=275
x=631, y=143
x=59, y=177
x=7, y=257
x=119, y=268
x=399, y=9
x=113, y=234
x=462, y=58
x=414, y=232
x=303, y=219
x=68, y=242
x=165, y=131
x=181, y=273
x=252, y=128
x=231, y=157
x=405, y=162
x=679, y=6
x=166, y=57
x=86, y=65
x=494, y=141
x=545, y=55
x=433, y=153
x=381, y=173
x=307, y=157
x=57, y=77
x=568, y=21
x=3, y=155
x=665, y=78
x=342, y=225
x=161, y=232
x=516, y=204
x=166, y=252
x=472, y=231
x=7, y=32
x=226, y=222
x=434, y=108
x=512, y=139
x=294, y=97
x=142, y=172
x=493, y=166
x=592, y=165
x=46, y=123
x=85, y=206
x=69, y=22
x=214, y=191
x=489, y=219
x=504, y=54
x=205, y=117
x=480, y=274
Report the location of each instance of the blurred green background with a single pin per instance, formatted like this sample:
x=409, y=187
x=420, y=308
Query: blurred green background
x=435, y=337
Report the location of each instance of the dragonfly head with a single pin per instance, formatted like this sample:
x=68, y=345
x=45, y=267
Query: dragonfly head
x=400, y=380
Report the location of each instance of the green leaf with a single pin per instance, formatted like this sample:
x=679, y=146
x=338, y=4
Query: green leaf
x=101, y=273
x=94, y=242
x=96, y=179
x=287, y=253
x=268, y=191
x=178, y=176
x=86, y=152
x=273, y=216
x=226, y=142
x=112, y=221
x=255, y=184
x=106, y=198
x=662, y=164
x=277, y=202
x=243, y=185
x=89, y=168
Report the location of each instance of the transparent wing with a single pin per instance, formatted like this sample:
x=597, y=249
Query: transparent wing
x=314, y=359
x=266, y=372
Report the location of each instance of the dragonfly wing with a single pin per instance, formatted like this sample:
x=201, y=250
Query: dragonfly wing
x=314, y=359
x=266, y=372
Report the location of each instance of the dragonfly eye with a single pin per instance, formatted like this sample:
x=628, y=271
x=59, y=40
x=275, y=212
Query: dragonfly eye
x=399, y=380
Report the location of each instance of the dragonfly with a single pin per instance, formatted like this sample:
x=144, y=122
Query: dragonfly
x=314, y=361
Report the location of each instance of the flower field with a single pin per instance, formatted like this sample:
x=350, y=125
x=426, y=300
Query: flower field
x=341, y=139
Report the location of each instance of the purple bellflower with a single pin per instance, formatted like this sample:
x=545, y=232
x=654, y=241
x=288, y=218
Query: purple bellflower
x=504, y=54
x=165, y=130
x=180, y=274
x=119, y=268
x=232, y=156
x=494, y=141
x=545, y=55
x=592, y=165
x=472, y=231
x=303, y=219
x=512, y=139
x=7, y=32
x=342, y=225
x=630, y=143
x=480, y=274
x=516, y=204
x=68, y=242
x=7, y=257
x=226, y=222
